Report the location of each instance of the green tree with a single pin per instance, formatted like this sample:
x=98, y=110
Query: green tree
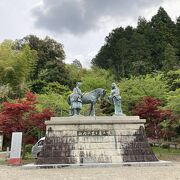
x=56, y=102
x=50, y=64
x=170, y=59
x=114, y=54
x=134, y=89
x=96, y=78
x=47, y=50
x=55, y=71
x=138, y=51
x=56, y=88
x=162, y=32
x=173, y=79
x=174, y=101
x=142, y=26
x=178, y=38
x=16, y=65
x=139, y=56
x=75, y=73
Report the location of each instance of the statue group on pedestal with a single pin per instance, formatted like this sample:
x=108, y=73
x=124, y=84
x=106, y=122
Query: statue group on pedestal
x=77, y=98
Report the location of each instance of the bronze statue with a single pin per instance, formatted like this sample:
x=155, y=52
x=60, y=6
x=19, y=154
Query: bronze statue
x=76, y=99
x=116, y=98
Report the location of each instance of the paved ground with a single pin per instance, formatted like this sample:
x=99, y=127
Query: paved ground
x=108, y=173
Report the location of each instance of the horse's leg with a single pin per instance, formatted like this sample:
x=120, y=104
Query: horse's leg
x=78, y=111
x=90, y=111
x=75, y=112
x=70, y=112
x=94, y=109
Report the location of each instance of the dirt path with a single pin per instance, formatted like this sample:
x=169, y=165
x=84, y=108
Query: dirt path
x=109, y=173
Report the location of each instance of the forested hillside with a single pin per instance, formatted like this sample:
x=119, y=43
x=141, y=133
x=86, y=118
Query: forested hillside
x=152, y=46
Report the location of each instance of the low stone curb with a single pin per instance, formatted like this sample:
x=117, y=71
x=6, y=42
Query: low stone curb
x=134, y=164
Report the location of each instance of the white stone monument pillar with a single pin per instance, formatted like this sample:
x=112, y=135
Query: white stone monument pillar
x=16, y=144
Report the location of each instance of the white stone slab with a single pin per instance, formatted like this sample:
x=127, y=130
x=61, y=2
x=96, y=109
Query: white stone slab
x=16, y=144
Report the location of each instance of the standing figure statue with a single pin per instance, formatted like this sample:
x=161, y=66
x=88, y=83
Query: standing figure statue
x=116, y=98
x=76, y=101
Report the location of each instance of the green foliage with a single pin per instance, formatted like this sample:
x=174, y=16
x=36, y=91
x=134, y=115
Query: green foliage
x=37, y=86
x=162, y=33
x=16, y=65
x=75, y=73
x=96, y=78
x=55, y=71
x=152, y=46
x=135, y=88
x=139, y=55
x=50, y=66
x=56, y=102
x=173, y=79
x=159, y=150
x=170, y=58
x=56, y=88
x=28, y=156
x=4, y=92
x=178, y=37
x=47, y=50
x=27, y=153
x=28, y=148
x=174, y=101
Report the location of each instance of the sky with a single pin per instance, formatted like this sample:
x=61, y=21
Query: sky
x=80, y=25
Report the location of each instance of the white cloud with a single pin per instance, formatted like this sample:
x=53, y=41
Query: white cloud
x=82, y=16
x=17, y=21
x=172, y=7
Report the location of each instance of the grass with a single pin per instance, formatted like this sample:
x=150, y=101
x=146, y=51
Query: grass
x=28, y=161
x=24, y=161
x=169, y=154
x=166, y=150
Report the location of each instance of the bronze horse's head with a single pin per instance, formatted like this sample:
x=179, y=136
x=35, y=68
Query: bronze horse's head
x=102, y=92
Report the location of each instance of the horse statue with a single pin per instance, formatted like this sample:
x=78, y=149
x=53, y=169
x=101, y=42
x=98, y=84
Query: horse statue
x=88, y=98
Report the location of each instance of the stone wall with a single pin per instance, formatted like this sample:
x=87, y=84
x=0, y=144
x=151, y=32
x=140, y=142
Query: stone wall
x=78, y=140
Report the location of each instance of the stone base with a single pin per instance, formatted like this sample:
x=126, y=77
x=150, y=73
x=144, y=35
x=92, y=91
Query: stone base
x=133, y=164
x=83, y=140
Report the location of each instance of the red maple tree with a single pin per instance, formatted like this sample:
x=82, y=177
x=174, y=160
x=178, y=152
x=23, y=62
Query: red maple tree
x=159, y=122
x=23, y=116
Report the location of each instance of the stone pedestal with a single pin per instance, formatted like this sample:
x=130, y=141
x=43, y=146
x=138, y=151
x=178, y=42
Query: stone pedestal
x=82, y=140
